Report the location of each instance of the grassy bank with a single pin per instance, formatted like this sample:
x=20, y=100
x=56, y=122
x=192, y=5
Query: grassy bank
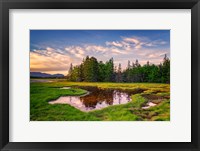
x=41, y=93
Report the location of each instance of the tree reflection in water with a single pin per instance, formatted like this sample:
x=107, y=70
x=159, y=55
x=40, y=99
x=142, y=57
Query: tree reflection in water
x=100, y=98
x=97, y=98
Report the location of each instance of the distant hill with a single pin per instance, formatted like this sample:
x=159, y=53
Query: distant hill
x=45, y=75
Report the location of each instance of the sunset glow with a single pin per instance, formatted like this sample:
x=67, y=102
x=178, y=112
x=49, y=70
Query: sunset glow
x=52, y=51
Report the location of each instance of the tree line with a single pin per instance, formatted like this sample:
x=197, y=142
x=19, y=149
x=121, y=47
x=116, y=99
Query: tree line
x=92, y=70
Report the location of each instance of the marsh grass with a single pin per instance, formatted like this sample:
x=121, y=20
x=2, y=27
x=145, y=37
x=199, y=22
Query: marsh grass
x=42, y=93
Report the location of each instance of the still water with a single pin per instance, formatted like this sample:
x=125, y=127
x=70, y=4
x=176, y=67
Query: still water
x=97, y=98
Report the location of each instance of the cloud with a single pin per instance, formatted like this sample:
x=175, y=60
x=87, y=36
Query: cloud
x=49, y=61
x=49, y=49
x=118, y=51
x=156, y=55
x=95, y=48
x=131, y=40
x=113, y=43
x=126, y=43
x=77, y=51
x=155, y=43
x=52, y=60
x=130, y=43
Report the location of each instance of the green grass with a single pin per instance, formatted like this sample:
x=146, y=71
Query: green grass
x=41, y=93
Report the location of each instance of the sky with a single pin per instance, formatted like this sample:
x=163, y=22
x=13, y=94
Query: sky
x=52, y=51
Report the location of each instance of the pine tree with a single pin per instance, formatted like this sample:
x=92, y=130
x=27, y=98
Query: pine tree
x=129, y=64
x=147, y=63
x=70, y=71
x=119, y=73
x=92, y=71
x=137, y=63
x=166, y=70
x=133, y=65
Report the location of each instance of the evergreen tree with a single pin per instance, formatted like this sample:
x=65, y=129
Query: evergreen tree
x=119, y=73
x=166, y=70
x=70, y=71
x=109, y=72
x=92, y=71
x=137, y=63
x=129, y=65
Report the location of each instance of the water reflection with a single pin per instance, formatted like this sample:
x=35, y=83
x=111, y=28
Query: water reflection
x=97, y=98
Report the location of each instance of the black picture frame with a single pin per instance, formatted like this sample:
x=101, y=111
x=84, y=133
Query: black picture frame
x=5, y=5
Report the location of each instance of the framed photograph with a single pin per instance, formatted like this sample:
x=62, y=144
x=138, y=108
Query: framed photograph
x=99, y=75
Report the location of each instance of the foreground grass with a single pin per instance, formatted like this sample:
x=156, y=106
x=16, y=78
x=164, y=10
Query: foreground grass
x=41, y=93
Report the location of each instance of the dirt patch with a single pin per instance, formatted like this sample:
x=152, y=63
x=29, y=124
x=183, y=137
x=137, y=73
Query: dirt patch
x=155, y=98
x=143, y=114
x=156, y=91
x=152, y=97
x=136, y=91
x=166, y=97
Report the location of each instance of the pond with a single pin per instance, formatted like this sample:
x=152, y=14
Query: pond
x=97, y=98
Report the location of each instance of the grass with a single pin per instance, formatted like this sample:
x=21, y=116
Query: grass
x=42, y=93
